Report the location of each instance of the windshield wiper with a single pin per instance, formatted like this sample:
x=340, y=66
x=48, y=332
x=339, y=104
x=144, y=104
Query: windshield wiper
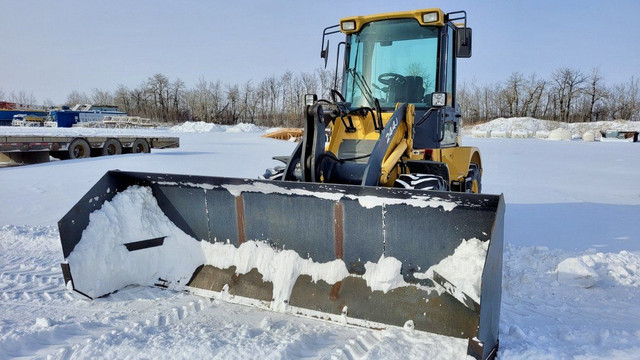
x=368, y=95
x=364, y=87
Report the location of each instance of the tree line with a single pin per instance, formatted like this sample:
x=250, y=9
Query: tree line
x=274, y=101
x=567, y=95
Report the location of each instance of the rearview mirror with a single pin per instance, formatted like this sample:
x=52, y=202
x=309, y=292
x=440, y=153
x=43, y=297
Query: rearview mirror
x=325, y=54
x=463, y=46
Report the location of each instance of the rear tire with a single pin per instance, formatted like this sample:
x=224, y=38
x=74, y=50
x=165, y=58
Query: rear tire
x=111, y=147
x=79, y=149
x=140, y=146
x=421, y=182
x=474, y=179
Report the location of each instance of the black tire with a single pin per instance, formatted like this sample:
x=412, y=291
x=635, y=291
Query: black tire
x=474, y=179
x=111, y=147
x=274, y=173
x=79, y=149
x=140, y=146
x=421, y=182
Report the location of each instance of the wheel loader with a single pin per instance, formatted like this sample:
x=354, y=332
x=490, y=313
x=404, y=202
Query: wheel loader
x=376, y=218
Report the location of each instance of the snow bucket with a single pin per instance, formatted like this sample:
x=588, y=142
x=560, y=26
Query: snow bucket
x=373, y=257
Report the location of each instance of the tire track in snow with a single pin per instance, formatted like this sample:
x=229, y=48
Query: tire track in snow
x=90, y=345
x=356, y=348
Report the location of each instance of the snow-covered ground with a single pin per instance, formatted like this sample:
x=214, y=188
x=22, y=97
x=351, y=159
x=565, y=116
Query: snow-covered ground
x=571, y=285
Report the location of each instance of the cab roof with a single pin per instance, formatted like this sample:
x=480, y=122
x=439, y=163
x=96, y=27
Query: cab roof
x=359, y=21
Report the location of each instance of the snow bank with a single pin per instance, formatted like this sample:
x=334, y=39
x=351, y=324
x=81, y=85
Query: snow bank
x=203, y=127
x=525, y=127
x=242, y=127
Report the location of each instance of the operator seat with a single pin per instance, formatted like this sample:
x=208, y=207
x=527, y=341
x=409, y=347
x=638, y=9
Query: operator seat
x=415, y=89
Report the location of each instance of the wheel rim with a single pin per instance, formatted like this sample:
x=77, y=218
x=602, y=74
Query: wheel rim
x=78, y=151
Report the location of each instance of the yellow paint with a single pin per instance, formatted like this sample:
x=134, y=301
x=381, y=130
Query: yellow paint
x=401, y=149
x=365, y=130
x=458, y=159
x=415, y=14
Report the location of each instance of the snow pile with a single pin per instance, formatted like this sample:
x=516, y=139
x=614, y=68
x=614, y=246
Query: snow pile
x=385, y=275
x=132, y=215
x=571, y=320
x=243, y=127
x=519, y=127
x=586, y=271
x=463, y=268
x=574, y=272
x=196, y=127
x=517, y=124
x=204, y=127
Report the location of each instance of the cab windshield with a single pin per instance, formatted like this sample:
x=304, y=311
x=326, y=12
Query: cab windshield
x=393, y=61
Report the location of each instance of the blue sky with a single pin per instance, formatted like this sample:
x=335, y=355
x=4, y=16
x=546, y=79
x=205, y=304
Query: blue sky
x=50, y=48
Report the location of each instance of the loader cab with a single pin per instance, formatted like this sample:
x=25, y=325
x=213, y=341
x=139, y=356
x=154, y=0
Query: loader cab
x=407, y=58
x=397, y=59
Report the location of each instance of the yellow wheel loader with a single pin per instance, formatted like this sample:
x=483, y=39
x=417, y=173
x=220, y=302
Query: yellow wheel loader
x=376, y=219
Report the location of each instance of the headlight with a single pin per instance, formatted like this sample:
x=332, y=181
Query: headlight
x=438, y=99
x=348, y=25
x=310, y=99
x=430, y=17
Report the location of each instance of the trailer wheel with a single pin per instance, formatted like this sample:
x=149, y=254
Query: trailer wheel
x=474, y=179
x=79, y=149
x=111, y=147
x=140, y=146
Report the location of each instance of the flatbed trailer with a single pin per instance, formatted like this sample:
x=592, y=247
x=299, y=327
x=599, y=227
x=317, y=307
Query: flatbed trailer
x=31, y=149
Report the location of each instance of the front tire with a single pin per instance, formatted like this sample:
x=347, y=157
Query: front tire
x=421, y=182
x=474, y=179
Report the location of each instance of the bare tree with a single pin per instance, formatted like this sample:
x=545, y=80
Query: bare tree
x=594, y=91
x=76, y=97
x=568, y=86
x=511, y=93
x=532, y=97
x=326, y=82
x=122, y=99
x=102, y=97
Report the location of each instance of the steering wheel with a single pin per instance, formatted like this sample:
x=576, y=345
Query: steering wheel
x=392, y=79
